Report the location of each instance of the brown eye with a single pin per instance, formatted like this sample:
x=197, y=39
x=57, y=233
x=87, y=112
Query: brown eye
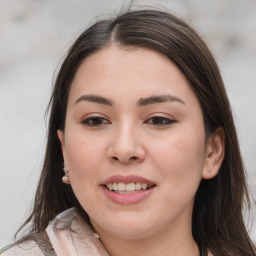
x=160, y=121
x=95, y=121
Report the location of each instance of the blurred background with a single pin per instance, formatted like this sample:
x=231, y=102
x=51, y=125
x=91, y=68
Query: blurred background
x=34, y=37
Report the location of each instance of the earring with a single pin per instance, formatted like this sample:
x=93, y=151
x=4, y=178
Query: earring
x=65, y=178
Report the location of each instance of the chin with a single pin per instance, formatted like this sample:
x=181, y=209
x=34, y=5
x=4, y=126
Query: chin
x=127, y=226
x=130, y=231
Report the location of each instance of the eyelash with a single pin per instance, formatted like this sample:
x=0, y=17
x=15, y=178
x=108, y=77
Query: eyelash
x=89, y=121
x=97, y=121
x=160, y=121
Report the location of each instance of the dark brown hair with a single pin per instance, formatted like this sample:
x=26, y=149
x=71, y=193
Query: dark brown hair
x=217, y=224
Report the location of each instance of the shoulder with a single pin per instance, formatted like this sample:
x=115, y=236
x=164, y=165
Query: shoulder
x=37, y=244
x=67, y=234
x=27, y=248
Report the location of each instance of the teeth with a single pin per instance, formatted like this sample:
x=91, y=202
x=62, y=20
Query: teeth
x=144, y=186
x=138, y=186
x=130, y=187
x=121, y=186
x=115, y=186
x=110, y=186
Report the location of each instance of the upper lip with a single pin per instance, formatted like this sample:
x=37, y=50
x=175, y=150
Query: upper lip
x=127, y=179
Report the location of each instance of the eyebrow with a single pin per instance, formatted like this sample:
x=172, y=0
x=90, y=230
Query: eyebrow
x=96, y=99
x=158, y=99
x=141, y=102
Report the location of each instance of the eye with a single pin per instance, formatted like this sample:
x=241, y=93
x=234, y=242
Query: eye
x=160, y=121
x=95, y=121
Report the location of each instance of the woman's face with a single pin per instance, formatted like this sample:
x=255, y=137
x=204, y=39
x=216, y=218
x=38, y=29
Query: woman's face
x=134, y=143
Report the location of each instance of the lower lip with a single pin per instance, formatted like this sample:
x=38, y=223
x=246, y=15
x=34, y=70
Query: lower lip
x=130, y=198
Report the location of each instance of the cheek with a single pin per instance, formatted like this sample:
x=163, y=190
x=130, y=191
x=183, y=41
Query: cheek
x=180, y=162
x=83, y=156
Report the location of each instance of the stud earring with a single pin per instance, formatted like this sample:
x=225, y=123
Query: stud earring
x=65, y=178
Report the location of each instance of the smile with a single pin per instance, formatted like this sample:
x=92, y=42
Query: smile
x=127, y=189
x=123, y=188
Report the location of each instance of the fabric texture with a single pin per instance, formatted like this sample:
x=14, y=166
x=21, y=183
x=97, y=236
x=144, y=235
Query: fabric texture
x=25, y=249
x=70, y=235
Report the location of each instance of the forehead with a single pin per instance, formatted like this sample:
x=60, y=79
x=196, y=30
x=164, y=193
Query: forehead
x=113, y=71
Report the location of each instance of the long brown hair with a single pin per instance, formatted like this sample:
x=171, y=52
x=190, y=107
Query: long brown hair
x=217, y=224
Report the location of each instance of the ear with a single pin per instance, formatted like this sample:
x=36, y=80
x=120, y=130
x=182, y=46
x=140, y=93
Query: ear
x=60, y=134
x=214, y=155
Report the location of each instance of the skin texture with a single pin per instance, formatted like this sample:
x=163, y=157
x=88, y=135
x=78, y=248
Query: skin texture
x=130, y=140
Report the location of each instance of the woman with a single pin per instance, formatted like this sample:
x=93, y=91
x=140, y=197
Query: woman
x=140, y=119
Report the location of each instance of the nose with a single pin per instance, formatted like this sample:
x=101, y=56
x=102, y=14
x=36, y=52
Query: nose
x=125, y=146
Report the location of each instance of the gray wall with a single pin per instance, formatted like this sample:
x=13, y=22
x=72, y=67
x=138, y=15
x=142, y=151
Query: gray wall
x=35, y=34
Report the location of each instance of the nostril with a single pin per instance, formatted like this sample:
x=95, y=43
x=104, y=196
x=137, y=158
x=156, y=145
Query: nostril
x=125, y=160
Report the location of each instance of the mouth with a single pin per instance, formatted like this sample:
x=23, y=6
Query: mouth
x=127, y=189
x=132, y=187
